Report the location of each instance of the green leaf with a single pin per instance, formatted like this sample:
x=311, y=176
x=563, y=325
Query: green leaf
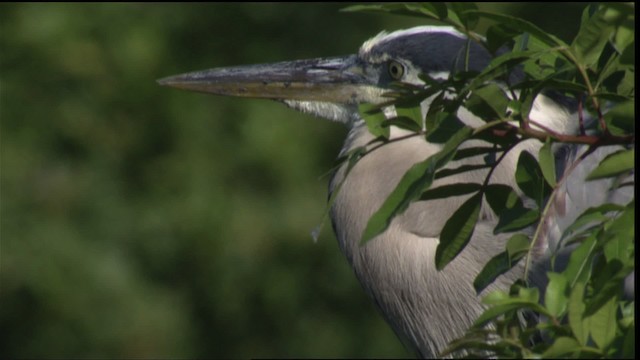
x=547, y=163
x=375, y=119
x=629, y=344
x=557, y=84
x=506, y=203
x=502, y=197
x=475, y=151
x=576, y=313
x=398, y=9
x=459, y=170
x=544, y=61
x=614, y=164
x=556, y=295
x=592, y=37
x=562, y=347
x=590, y=216
x=457, y=231
x=608, y=96
x=402, y=122
x=625, y=29
x=524, y=26
x=622, y=117
x=438, y=9
x=499, y=35
x=495, y=267
x=488, y=102
x=444, y=126
x=627, y=86
x=517, y=247
x=621, y=236
x=495, y=297
x=465, y=12
x=528, y=301
x=494, y=312
x=628, y=56
x=531, y=295
x=530, y=179
x=602, y=324
x=579, y=266
x=415, y=180
x=410, y=111
x=450, y=190
x=608, y=285
x=498, y=67
x=516, y=219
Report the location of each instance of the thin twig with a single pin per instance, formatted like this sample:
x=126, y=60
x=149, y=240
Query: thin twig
x=581, y=117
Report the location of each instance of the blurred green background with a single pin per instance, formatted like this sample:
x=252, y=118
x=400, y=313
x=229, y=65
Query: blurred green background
x=143, y=222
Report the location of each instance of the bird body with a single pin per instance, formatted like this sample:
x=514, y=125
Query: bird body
x=397, y=268
x=426, y=307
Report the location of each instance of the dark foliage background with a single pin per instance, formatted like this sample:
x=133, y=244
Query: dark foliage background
x=140, y=221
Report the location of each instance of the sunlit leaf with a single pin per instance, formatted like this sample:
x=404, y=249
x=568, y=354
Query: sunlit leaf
x=517, y=246
x=561, y=347
x=411, y=112
x=374, y=118
x=556, y=295
x=602, y=324
x=592, y=37
x=545, y=61
x=507, y=305
x=576, y=313
x=547, y=163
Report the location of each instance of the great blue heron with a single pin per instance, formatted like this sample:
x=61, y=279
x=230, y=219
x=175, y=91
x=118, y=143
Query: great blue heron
x=427, y=308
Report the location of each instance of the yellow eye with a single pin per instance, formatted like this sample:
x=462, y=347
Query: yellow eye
x=396, y=70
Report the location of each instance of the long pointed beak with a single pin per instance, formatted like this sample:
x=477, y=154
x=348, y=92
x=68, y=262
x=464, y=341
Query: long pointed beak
x=335, y=80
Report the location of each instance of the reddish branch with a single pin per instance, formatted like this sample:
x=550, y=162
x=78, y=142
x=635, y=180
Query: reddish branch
x=598, y=140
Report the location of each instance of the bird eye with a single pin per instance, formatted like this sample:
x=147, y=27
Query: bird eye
x=396, y=70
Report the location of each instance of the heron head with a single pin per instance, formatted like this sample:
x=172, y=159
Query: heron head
x=332, y=88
